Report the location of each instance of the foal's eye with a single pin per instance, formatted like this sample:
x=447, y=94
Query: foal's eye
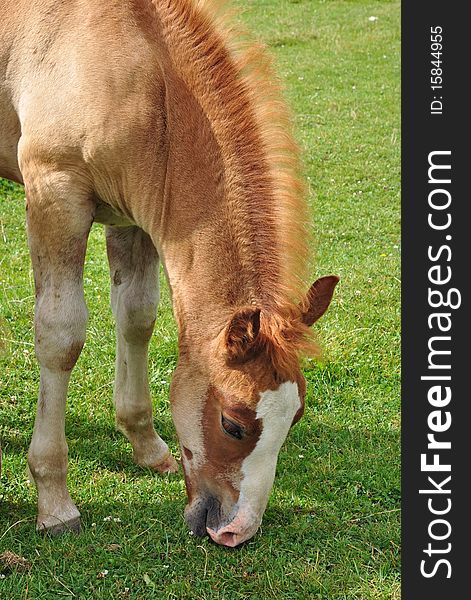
x=231, y=428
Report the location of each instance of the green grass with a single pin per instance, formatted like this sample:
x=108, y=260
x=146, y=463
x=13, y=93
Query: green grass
x=332, y=527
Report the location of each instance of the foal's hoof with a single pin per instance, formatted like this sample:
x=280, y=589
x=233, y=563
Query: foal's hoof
x=167, y=465
x=158, y=459
x=53, y=526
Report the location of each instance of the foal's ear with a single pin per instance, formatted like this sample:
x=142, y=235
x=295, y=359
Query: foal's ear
x=241, y=334
x=318, y=298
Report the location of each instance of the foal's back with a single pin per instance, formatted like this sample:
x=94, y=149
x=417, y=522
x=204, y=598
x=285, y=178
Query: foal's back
x=81, y=81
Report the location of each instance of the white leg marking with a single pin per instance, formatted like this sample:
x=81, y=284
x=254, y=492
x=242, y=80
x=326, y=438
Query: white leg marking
x=59, y=218
x=134, y=297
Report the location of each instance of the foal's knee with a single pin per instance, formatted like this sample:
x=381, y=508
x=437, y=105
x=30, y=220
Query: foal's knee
x=136, y=315
x=60, y=323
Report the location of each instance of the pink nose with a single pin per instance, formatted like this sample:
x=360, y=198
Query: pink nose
x=226, y=537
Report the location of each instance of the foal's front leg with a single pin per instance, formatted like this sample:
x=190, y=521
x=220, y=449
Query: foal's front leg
x=134, y=269
x=59, y=216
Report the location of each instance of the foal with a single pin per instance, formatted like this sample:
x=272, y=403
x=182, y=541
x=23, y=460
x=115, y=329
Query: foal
x=151, y=118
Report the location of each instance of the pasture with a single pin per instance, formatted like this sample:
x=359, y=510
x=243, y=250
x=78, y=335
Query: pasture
x=332, y=527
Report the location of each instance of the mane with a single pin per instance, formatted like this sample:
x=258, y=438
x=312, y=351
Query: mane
x=234, y=83
x=284, y=338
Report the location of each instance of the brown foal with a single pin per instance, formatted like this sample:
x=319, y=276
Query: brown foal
x=153, y=118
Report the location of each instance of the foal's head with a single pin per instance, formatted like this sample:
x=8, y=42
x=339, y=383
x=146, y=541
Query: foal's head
x=233, y=409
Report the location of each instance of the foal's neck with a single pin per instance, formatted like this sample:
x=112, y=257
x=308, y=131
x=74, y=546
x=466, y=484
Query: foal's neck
x=231, y=228
x=217, y=234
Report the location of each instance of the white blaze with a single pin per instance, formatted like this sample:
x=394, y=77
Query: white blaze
x=276, y=409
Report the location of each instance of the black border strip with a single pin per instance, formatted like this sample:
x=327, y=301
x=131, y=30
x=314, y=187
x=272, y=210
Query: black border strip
x=423, y=133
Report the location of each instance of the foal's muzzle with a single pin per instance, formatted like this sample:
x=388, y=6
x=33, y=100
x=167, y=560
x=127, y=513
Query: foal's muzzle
x=204, y=516
x=202, y=513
